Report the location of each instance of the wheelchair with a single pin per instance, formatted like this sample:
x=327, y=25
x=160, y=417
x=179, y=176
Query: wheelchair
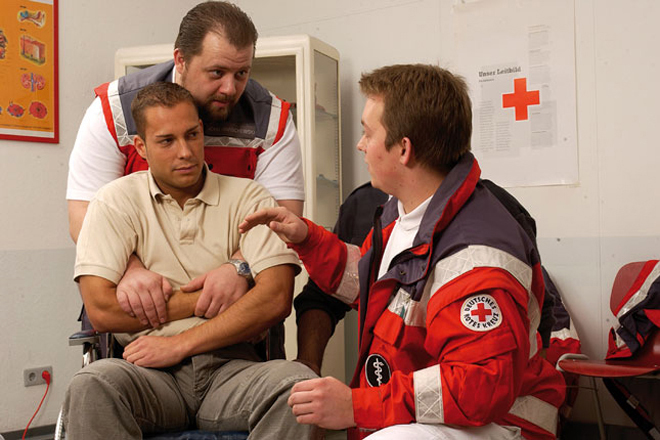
x=102, y=345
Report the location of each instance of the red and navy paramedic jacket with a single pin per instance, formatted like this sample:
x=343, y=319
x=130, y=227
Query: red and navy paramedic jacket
x=231, y=146
x=448, y=334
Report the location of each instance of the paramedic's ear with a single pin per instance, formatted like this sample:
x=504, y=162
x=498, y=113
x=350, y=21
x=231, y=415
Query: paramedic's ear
x=406, y=151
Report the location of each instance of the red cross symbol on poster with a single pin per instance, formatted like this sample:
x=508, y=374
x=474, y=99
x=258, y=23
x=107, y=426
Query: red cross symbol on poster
x=520, y=99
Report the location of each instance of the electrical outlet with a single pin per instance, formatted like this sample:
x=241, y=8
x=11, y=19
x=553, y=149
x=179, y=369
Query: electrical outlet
x=32, y=376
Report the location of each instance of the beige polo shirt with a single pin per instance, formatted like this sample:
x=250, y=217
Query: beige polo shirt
x=132, y=215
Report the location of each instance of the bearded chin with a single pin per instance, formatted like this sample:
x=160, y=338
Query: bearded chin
x=207, y=115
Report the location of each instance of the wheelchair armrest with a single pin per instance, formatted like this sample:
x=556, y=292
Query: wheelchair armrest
x=84, y=337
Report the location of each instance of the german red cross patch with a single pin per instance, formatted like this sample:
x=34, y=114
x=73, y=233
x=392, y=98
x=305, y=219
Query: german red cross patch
x=481, y=313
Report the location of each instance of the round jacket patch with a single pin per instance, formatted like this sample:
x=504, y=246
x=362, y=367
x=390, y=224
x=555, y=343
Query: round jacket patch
x=481, y=313
x=377, y=370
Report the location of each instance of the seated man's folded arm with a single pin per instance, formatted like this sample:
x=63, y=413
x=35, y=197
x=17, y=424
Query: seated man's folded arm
x=106, y=315
x=266, y=304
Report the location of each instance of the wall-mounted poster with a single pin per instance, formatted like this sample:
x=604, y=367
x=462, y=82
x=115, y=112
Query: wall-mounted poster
x=28, y=71
x=518, y=57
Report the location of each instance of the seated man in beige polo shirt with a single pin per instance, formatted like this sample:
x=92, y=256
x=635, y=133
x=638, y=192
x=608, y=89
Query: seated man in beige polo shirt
x=181, y=220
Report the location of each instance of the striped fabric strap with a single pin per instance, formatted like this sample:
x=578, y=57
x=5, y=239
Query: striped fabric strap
x=428, y=395
x=114, y=100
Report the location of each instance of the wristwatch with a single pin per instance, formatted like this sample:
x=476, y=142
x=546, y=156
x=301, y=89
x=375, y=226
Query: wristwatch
x=242, y=269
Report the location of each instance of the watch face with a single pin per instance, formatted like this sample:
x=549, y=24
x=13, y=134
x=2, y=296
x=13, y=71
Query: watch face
x=243, y=269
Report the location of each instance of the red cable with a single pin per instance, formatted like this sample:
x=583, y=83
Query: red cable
x=46, y=375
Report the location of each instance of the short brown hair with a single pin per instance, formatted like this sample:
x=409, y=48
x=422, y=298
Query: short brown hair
x=165, y=94
x=224, y=18
x=427, y=104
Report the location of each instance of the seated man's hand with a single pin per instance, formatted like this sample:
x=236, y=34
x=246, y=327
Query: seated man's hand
x=154, y=352
x=288, y=226
x=220, y=287
x=144, y=294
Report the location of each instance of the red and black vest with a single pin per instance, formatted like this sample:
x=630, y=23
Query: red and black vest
x=231, y=147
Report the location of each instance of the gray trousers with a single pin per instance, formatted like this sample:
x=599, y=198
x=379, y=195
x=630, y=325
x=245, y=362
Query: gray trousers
x=112, y=398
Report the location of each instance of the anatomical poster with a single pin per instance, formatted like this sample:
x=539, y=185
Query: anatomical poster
x=28, y=70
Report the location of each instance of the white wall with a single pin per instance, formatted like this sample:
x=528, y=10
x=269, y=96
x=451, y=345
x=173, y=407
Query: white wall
x=367, y=34
x=590, y=230
x=585, y=231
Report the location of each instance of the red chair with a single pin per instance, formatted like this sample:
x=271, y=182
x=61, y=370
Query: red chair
x=643, y=364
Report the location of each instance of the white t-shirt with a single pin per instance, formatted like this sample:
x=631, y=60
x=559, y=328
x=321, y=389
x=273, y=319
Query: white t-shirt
x=403, y=234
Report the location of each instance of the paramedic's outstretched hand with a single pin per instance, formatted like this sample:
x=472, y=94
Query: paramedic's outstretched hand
x=288, y=226
x=325, y=402
x=143, y=294
x=220, y=287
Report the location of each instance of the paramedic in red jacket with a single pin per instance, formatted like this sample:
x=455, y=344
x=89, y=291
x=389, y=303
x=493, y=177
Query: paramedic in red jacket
x=448, y=285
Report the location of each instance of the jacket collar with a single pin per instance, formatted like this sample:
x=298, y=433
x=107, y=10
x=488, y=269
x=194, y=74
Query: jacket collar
x=447, y=201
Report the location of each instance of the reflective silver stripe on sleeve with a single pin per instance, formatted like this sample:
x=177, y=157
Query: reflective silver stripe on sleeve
x=118, y=115
x=467, y=259
x=634, y=300
x=428, y=395
x=537, y=412
x=474, y=256
x=349, y=286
